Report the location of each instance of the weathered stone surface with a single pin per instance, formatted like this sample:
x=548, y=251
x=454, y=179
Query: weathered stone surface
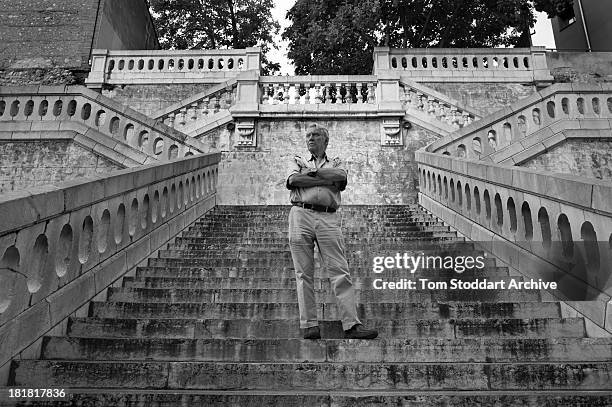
x=29, y=164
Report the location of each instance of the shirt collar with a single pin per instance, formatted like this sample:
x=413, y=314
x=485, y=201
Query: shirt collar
x=313, y=158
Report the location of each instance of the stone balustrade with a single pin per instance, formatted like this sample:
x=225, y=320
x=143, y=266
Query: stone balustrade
x=156, y=67
x=314, y=90
x=27, y=109
x=435, y=106
x=194, y=112
x=550, y=226
x=61, y=245
x=531, y=125
x=465, y=64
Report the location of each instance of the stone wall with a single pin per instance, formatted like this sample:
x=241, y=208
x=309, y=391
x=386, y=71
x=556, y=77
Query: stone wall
x=60, y=33
x=586, y=158
x=484, y=97
x=148, y=99
x=580, y=66
x=376, y=174
x=28, y=164
x=46, y=33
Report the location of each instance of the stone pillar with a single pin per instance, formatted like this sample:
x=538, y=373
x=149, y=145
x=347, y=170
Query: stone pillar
x=246, y=110
x=541, y=73
x=381, y=59
x=97, y=74
x=253, y=59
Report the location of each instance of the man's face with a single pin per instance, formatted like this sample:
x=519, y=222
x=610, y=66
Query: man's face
x=315, y=143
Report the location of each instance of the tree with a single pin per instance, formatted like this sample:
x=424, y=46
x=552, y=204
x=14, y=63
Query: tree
x=338, y=37
x=217, y=24
x=323, y=38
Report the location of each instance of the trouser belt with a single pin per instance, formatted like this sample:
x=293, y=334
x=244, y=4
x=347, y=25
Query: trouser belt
x=318, y=208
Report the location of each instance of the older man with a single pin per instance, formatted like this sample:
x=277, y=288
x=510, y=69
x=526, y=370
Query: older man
x=315, y=185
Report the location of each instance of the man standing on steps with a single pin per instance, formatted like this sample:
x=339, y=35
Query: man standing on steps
x=315, y=185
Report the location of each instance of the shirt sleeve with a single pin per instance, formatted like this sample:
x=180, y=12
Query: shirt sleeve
x=338, y=163
x=293, y=167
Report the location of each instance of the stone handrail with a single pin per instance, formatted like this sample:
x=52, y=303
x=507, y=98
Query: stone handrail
x=32, y=108
x=536, y=222
x=521, y=130
x=465, y=64
x=313, y=90
x=428, y=104
x=155, y=67
x=194, y=112
x=62, y=245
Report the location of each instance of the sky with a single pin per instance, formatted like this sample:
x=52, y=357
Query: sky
x=543, y=34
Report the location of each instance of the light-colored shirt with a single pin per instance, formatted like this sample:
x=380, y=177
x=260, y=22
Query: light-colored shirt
x=321, y=195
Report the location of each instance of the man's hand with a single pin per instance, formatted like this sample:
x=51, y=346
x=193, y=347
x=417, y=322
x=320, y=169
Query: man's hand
x=309, y=171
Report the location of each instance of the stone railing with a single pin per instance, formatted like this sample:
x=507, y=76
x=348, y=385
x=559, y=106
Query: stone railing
x=543, y=225
x=158, y=67
x=428, y=105
x=27, y=109
x=465, y=64
x=531, y=125
x=193, y=113
x=62, y=245
x=314, y=90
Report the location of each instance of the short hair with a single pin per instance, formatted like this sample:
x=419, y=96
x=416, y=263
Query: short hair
x=318, y=130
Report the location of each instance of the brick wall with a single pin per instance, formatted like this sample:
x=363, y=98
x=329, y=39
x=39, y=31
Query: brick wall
x=586, y=158
x=377, y=175
x=485, y=97
x=148, y=99
x=28, y=164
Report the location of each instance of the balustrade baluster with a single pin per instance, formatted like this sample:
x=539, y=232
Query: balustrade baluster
x=204, y=107
x=265, y=98
x=360, y=92
x=328, y=97
x=193, y=112
x=171, y=120
x=182, y=116
x=216, y=104
x=276, y=97
x=371, y=97
x=307, y=94
x=455, y=117
x=318, y=96
x=228, y=97
x=443, y=111
x=431, y=110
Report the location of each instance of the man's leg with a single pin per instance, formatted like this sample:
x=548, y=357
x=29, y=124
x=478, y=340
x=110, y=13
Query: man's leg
x=301, y=243
x=331, y=245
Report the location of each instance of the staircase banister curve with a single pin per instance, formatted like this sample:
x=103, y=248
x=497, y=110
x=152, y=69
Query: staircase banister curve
x=63, y=244
x=62, y=104
x=535, y=112
x=438, y=95
x=536, y=222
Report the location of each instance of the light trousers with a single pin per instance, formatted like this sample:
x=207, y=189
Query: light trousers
x=306, y=227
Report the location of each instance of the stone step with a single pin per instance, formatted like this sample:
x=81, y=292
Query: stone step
x=313, y=376
x=386, y=350
x=289, y=328
x=301, y=398
x=287, y=272
x=385, y=311
x=288, y=295
x=349, y=235
x=269, y=283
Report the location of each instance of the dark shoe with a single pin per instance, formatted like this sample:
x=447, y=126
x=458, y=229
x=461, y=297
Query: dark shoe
x=360, y=332
x=312, y=333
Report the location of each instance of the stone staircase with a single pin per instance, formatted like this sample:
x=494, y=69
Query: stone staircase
x=213, y=321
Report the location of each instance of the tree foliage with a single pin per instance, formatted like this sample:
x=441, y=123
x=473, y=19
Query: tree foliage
x=338, y=37
x=216, y=24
